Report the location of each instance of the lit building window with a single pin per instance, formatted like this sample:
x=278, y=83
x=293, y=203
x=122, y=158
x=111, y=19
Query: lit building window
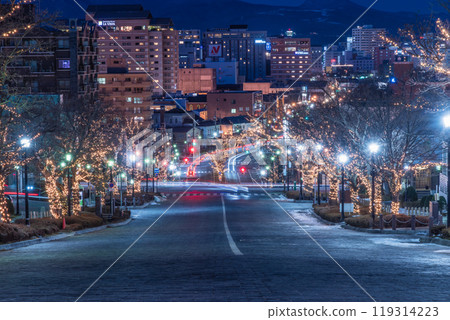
x=101, y=80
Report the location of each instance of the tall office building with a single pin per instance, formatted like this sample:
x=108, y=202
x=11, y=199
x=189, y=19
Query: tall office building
x=190, y=48
x=237, y=43
x=366, y=38
x=290, y=58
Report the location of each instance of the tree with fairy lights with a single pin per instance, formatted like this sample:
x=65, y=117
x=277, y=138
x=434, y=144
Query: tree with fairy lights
x=82, y=139
x=350, y=121
x=17, y=21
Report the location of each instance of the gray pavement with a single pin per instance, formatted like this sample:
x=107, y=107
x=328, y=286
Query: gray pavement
x=188, y=256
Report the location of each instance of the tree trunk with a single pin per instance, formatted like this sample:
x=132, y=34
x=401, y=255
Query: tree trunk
x=4, y=212
x=333, y=195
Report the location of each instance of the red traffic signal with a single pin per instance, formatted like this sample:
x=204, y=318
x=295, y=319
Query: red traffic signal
x=192, y=149
x=243, y=170
x=186, y=160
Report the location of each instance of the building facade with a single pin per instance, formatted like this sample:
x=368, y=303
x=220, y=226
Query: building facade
x=237, y=43
x=64, y=62
x=290, y=58
x=147, y=44
x=190, y=48
x=196, y=80
x=234, y=103
x=366, y=38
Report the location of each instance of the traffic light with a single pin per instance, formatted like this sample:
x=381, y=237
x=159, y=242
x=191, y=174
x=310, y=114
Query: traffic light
x=192, y=149
x=186, y=160
x=243, y=170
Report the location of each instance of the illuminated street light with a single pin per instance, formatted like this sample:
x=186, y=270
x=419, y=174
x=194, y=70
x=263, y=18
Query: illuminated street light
x=374, y=147
x=343, y=160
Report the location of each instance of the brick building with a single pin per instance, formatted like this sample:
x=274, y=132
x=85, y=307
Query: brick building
x=195, y=80
x=233, y=103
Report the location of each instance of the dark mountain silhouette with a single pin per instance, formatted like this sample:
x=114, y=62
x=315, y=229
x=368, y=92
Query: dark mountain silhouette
x=323, y=20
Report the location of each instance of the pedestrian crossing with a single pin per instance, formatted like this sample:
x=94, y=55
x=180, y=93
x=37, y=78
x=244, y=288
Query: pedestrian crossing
x=213, y=194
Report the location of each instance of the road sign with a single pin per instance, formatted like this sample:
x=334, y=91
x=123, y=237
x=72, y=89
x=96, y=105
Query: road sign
x=156, y=171
x=111, y=185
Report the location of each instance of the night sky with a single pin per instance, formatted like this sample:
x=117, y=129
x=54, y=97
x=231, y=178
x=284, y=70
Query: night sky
x=386, y=5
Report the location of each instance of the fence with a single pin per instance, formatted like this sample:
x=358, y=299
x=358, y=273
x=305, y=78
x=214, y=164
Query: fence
x=40, y=214
x=409, y=211
x=394, y=222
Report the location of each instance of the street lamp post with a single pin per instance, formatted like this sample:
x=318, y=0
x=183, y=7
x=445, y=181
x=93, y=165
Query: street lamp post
x=133, y=160
x=69, y=186
x=122, y=176
x=17, y=190
x=111, y=205
x=373, y=149
x=146, y=162
x=26, y=144
x=342, y=159
x=153, y=175
x=319, y=148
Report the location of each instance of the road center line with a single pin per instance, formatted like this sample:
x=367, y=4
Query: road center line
x=231, y=242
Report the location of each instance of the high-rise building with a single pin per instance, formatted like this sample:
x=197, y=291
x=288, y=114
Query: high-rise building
x=190, y=48
x=317, y=59
x=146, y=43
x=64, y=63
x=366, y=38
x=237, y=43
x=290, y=58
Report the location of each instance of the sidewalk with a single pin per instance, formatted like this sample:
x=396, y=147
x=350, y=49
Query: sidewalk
x=61, y=235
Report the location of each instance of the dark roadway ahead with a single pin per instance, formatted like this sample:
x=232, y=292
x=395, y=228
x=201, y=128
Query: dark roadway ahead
x=257, y=253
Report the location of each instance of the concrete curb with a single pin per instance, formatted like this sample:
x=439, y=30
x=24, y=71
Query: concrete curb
x=119, y=224
x=384, y=231
x=26, y=243
x=59, y=236
x=442, y=242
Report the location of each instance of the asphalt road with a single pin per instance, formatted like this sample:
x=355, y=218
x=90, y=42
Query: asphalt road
x=216, y=244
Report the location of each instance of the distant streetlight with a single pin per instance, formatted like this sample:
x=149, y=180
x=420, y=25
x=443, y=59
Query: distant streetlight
x=111, y=205
x=17, y=190
x=373, y=149
x=26, y=143
x=68, y=158
x=133, y=163
x=446, y=121
x=146, y=162
x=319, y=148
x=343, y=160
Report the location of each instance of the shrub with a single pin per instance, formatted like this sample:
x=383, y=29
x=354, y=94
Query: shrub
x=425, y=201
x=331, y=213
x=436, y=230
x=442, y=203
x=292, y=194
x=360, y=221
x=446, y=233
x=411, y=194
x=86, y=219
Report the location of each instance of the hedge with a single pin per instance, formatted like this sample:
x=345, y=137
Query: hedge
x=329, y=213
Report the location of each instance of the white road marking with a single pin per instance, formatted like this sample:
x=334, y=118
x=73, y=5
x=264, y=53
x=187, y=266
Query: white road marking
x=231, y=242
